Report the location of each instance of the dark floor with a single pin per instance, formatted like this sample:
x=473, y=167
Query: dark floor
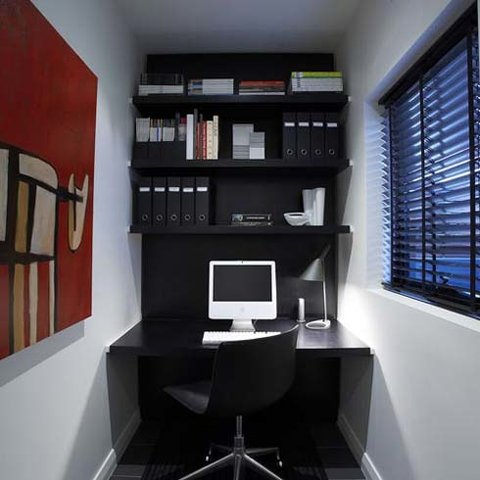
x=167, y=452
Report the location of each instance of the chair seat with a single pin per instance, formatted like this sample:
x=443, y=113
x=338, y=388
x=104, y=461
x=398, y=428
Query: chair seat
x=194, y=396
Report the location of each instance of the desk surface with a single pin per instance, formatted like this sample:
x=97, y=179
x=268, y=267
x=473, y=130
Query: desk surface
x=166, y=337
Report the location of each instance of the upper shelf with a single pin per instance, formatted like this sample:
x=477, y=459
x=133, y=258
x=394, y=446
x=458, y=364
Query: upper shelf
x=326, y=100
x=324, y=166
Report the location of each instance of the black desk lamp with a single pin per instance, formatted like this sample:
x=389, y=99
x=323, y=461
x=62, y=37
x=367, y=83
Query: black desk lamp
x=315, y=272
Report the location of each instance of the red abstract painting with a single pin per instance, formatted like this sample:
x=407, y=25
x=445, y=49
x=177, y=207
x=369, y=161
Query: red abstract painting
x=48, y=102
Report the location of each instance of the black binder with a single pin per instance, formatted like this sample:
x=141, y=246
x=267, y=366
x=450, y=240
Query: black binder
x=332, y=135
x=143, y=202
x=303, y=136
x=173, y=201
x=289, y=136
x=202, y=200
x=188, y=200
x=317, y=136
x=159, y=200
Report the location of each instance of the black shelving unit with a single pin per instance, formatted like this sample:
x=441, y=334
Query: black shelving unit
x=175, y=258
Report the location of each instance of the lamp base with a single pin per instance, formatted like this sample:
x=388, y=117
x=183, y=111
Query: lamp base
x=318, y=324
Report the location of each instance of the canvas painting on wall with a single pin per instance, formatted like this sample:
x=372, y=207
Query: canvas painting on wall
x=47, y=146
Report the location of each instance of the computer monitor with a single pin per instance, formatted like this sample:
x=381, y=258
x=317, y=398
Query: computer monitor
x=242, y=291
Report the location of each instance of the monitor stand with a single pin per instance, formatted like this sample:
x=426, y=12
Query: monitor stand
x=241, y=324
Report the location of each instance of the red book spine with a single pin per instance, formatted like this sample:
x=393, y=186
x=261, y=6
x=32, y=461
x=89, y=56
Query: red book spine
x=197, y=141
x=204, y=138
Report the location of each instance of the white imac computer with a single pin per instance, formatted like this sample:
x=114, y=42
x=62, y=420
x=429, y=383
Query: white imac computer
x=242, y=291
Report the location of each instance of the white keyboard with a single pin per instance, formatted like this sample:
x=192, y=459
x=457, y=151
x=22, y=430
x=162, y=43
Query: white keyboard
x=214, y=338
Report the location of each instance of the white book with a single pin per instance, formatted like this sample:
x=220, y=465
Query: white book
x=153, y=134
x=190, y=127
x=209, y=139
x=142, y=132
x=318, y=205
x=168, y=134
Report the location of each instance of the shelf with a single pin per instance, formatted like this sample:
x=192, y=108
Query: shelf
x=231, y=230
x=253, y=166
x=335, y=101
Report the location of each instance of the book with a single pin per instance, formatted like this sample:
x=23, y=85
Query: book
x=317, y=74
x=215, y=137
x=251, y=217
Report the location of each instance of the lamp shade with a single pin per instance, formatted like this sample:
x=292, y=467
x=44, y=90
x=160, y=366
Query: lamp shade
x=315, y=272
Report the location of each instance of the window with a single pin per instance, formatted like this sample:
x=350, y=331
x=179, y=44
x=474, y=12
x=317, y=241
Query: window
x=432, y=174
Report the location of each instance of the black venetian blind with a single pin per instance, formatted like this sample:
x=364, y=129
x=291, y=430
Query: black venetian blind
x=431, y=187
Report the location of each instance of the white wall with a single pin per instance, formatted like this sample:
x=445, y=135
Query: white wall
x=63, y=405
x=422, y=420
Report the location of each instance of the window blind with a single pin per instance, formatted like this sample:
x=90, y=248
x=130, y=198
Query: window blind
x=431, y=175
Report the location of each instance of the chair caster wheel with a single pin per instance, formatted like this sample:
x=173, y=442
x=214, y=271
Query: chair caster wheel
x=280, y=464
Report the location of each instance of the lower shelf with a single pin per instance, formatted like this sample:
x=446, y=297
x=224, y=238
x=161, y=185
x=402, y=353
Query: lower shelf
x=232, y=230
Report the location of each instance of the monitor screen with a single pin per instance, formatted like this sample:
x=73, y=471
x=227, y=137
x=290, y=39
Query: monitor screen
x=242, y=290
x=242, y=283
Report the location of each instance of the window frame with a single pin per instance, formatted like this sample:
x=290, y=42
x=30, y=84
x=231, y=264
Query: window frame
x=463, y=28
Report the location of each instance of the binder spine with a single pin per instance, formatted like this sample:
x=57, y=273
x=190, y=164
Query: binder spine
x=317, y=136
x=159, y=201
x=188, y=201
x=202, y=201
x=143, y=202
x=303, y=136
x=332, y=135
x=289, y=136
x=173, y=201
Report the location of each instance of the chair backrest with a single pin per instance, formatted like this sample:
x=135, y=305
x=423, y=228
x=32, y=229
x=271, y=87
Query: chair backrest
x=251, y=375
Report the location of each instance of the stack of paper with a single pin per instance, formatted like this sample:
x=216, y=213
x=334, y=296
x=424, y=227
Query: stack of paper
x=247, y=144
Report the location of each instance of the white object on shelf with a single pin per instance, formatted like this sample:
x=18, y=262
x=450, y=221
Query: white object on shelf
x=318, y=206
x=296, y=219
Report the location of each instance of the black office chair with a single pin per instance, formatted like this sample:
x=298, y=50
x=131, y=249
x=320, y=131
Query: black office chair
x=248, y=376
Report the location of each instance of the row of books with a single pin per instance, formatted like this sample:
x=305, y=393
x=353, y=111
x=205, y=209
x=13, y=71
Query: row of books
x=305, y=82
x=300, y=82
x=172, y=201
x=161, y=129
x=202, y=137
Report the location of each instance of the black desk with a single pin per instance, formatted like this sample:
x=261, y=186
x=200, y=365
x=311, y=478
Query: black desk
x=165, y=349
x=160, y=337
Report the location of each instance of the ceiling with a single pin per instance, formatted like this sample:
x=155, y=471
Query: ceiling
x=216, y=26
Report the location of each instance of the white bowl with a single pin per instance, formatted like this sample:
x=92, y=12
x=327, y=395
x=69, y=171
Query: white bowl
x=296, y=219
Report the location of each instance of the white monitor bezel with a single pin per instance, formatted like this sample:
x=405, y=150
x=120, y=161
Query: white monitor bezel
x=242, y=310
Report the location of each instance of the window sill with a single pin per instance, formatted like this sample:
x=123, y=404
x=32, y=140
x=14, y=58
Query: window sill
x=452, y=317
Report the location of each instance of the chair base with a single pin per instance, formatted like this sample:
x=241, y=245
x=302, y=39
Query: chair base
x=239, y=457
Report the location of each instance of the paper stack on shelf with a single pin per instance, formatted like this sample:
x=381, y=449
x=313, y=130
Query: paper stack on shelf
x=247, y=144
x=211, y=86
x=257, y=145
x=241, y=140
x=262, y=87
x=303, y=82
x=161, y=84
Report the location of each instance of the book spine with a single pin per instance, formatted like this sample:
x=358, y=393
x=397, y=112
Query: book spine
x=215, y=136
x=210, y=139
x=195, y=133
x=204, y=140
x=190, y=137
